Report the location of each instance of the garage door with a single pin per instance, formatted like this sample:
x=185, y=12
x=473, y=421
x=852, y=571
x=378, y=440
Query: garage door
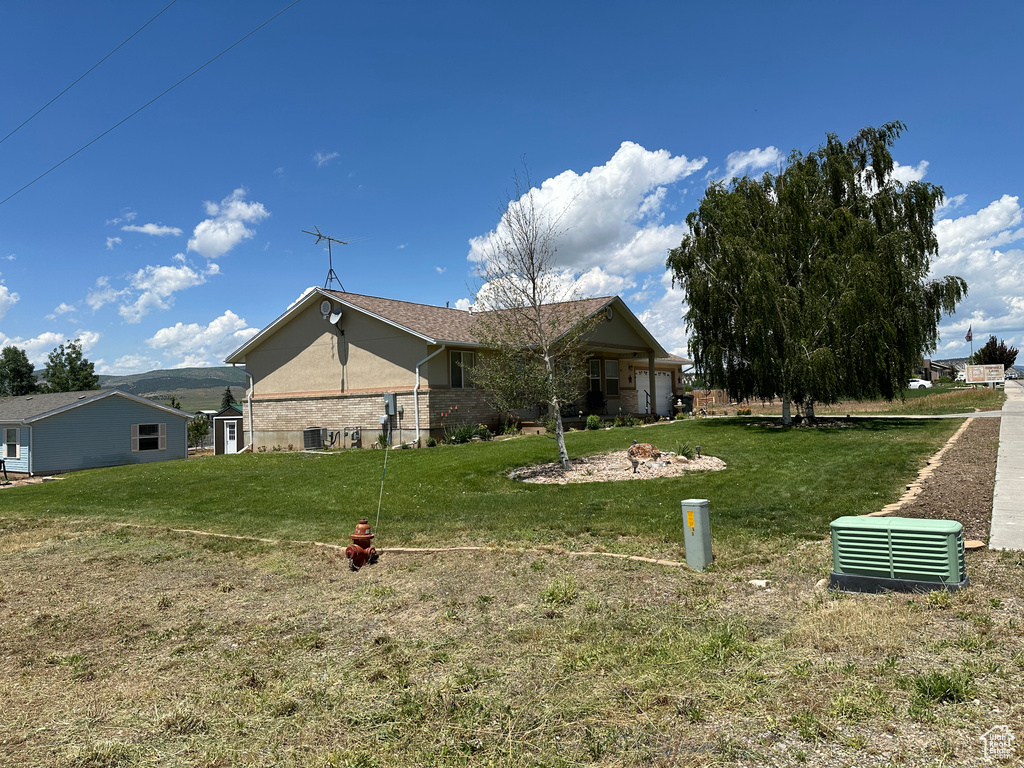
x=663, y=385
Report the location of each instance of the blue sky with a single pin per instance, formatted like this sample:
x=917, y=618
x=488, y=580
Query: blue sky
x=397, y=126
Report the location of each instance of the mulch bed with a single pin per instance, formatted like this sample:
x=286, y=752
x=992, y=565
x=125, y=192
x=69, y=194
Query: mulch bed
x=615, y=466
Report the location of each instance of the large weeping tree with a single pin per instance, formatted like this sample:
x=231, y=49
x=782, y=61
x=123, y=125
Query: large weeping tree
x=813, y=284
x=531, y=327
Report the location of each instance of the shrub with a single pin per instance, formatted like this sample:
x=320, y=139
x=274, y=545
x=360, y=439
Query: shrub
x=593, y=421
x=455, y=434
x=627, y=420
x=431, y=442
x=549, y=426
x=681, y=415
x=512, y=426
x=484, y=432
x=743, y=412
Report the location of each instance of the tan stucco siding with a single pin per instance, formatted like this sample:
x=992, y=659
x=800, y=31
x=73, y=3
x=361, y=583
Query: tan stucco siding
x=617, y=333
x=311, y=355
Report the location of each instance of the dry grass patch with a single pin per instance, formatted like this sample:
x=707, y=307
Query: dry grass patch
x=124, y=648
x=860, y=626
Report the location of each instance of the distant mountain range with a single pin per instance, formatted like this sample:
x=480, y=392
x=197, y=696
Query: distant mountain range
x=197, y=389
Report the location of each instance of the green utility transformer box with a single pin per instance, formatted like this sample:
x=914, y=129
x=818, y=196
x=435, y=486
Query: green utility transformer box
x=901, y=554
x=697, y=530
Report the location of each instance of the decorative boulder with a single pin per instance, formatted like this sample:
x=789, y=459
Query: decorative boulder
x=643, y=451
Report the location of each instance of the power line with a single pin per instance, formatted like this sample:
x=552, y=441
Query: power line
x=133, y=34
x=155, y=98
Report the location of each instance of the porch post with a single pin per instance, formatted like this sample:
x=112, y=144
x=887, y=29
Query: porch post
x=651, y=378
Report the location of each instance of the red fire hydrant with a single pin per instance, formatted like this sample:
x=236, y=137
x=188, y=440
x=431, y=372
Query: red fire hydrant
x=361, y=551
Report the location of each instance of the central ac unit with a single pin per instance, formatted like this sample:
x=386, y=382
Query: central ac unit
x=903, y=554
x=314, y=438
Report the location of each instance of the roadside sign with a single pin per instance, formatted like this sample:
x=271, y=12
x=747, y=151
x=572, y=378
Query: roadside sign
x=985, y=374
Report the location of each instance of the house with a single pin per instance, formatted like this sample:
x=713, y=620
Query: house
x=933, y=370
x=228, y=430
x=348, y=365
x=50, y=433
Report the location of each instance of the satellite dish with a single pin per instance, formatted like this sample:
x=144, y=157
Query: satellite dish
x=325, y=308
x=335, y=316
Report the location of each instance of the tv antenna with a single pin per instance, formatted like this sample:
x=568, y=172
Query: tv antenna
x=331, y=274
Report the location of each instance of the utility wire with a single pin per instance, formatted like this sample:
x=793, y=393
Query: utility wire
x=133, y=34
x=155, y=98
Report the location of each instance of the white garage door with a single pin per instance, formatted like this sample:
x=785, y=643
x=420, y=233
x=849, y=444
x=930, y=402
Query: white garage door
x=663, y=385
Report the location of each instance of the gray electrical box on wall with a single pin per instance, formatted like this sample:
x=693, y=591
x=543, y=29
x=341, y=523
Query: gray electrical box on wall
x=697, y=530
x=390, y=401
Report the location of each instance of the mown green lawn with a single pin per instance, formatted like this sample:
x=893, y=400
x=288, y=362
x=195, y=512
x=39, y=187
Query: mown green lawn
x=780, y=485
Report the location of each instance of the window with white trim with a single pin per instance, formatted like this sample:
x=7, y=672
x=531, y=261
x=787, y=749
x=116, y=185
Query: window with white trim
x=149, y=437
x=611, y=378
x=12, y=443
x=460, y=363
x=595, y=375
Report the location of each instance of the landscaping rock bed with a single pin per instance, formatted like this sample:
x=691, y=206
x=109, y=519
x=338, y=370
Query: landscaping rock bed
x=615, y=466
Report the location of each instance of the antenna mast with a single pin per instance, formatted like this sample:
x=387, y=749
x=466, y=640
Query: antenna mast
x=331, y=274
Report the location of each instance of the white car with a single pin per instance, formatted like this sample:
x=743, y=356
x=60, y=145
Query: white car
x=919, y=384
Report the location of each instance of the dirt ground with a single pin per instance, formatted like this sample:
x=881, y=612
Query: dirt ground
x=961, y=487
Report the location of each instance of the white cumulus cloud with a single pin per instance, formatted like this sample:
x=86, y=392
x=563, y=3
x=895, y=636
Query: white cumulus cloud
x=159, y=230
x=612, y=216
x=156, y=287
x=129, y=364
x=8, y=299
x=61, y=309
x=101, y=294
x=985, y=248
x=227, y=225
x=112, y=241
x=193, y=344
x=746, y=163
x=37, y=348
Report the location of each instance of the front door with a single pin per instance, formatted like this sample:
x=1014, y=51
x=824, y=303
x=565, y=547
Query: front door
x=230, y=437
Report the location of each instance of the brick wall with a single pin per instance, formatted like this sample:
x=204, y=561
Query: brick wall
x=280, y=421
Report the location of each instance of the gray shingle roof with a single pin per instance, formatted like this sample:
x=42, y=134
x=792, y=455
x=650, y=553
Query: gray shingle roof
x=29, y=407
x=442, y=323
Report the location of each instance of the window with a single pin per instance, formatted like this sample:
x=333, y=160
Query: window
x=149, y=437
x=595, y=375
x=611, y=378
x=460, y=361
x=12, y=443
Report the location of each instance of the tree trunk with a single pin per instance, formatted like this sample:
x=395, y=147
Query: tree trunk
x=563, y=455
x=787, y=416
x=809, y=410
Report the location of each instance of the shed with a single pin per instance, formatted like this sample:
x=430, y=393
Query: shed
x=228, y=436
x=63, y=431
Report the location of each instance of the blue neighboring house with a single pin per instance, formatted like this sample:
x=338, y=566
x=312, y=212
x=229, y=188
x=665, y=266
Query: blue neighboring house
x=45, y=434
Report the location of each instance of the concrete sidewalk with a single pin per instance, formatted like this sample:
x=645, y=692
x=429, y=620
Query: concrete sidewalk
x=1008, y=499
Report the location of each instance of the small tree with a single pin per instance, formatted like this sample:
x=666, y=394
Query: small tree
x=17, y=376
x=198, y=429
x=174, y=402
x=996, y=353
x=227, y=399
x=533, y=334
x=67, y=370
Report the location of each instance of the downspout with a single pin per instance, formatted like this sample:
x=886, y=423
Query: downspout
x=416, y=389
x=248, y=405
